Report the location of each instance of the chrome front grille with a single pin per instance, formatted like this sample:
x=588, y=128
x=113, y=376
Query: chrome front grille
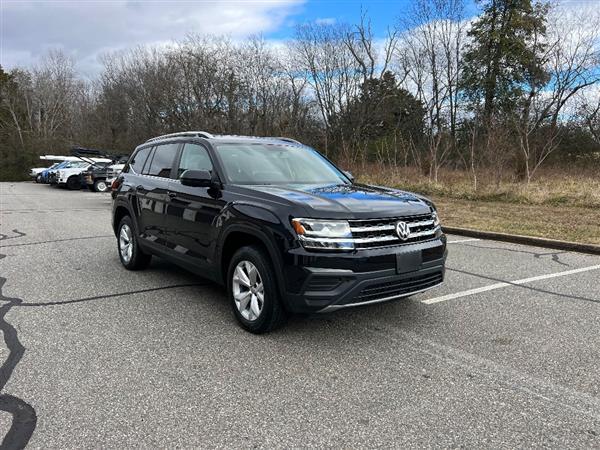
x=382, y=232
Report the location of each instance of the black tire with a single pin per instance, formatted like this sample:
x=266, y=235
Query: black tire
x=272, y=315
x=138, y=260
x=101, y=186
x=73, y=183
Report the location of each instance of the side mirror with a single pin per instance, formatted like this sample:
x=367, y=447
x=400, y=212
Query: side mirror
x=197, y=178
x=349, y=175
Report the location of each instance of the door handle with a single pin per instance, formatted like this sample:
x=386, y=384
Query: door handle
x=172, y=194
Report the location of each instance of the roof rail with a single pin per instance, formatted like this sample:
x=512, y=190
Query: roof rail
x=287, y=139
x=203, y=134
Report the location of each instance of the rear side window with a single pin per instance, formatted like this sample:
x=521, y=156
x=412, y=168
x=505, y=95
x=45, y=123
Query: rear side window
x=195, y=157
x=139, y=159
x=162, y=161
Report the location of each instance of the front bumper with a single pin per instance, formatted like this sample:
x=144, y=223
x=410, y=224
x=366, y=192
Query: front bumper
x=328, y=284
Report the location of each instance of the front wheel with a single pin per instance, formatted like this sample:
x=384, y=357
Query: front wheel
x=100, y=186
x=131, y=255
x=253, y=292
x=73, y=183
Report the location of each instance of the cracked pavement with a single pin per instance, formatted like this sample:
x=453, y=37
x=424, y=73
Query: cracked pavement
x=96, y=356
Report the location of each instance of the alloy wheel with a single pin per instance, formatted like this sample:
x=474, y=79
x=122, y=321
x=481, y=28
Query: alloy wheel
x=248, y=290
x=126, y=243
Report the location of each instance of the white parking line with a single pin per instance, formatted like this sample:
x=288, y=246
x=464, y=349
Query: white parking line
x=492, y=287
x=463, y=240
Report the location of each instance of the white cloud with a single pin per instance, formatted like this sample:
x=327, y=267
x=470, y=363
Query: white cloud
x=326, y=21
x=86, y=29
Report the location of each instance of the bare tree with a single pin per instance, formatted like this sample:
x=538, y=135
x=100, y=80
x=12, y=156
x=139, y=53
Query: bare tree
x=331, y=66
x=360, y=97
x=589, y=112
x=40, y=109
x=429, y=52
x=572, y=58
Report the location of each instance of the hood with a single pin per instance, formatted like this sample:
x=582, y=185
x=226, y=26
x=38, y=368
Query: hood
x=348, y=201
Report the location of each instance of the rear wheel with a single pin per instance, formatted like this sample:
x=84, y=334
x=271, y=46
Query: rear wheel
x=131, y=255
x=100, y=186
x=73, y=183
x=253, y=292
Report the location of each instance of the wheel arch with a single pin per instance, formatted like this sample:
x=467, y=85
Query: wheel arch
x=238, y=236
x=73, y=177
x=120, y=211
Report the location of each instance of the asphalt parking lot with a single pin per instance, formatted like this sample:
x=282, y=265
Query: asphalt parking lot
x=505, y=354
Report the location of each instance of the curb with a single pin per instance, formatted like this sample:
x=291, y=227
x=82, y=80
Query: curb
x=527, y=240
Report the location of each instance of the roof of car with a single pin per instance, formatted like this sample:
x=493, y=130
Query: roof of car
x=223, y=137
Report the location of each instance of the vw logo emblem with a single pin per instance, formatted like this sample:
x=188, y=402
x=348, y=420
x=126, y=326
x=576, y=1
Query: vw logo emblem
x=402, y=230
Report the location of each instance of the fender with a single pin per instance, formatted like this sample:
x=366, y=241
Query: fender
x=254, y=229
x=121, y=203
x=127, y=198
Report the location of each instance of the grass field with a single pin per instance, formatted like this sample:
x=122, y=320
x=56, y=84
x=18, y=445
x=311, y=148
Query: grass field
x=559, y=204
x=574, y=224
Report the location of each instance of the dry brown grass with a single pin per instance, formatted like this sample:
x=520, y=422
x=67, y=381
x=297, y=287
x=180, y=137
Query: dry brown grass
x=558, y=204
x=554, y=187
x=574, y=224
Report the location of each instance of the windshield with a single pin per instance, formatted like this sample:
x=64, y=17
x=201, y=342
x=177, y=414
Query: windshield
x=251, y=163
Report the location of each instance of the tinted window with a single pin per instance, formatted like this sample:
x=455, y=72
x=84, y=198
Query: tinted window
x=162, y=161
x=139, y=159
x=194, y=156
x=148, y=161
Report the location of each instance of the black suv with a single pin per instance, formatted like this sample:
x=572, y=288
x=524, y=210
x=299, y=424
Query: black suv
x=275, y=222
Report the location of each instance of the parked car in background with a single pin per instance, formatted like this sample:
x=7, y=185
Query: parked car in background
x=51, y=173
x=99, y=177
x=101, y=165
x=70, y=177
x=45, y=174
x=35, y=172
x=68, y=174
x=59, y=161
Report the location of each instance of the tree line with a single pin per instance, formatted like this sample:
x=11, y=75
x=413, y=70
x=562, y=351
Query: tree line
x=507, y=91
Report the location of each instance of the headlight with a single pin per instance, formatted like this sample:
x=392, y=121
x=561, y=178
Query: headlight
x=324, y=234
x=436, y=219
